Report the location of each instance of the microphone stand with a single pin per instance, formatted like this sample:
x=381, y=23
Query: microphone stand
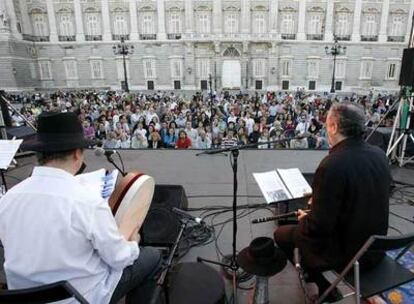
x=112, y=162
x=164, y=273
x=233, y=266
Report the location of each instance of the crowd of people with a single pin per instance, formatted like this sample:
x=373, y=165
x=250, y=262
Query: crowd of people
x=166, y=120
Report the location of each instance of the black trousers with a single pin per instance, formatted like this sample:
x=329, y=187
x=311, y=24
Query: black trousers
x=286, y=239
x=137, y=282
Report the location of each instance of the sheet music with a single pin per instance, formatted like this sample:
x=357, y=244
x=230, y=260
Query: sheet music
x=271, y=186
x=8, y=149
x=99, y=181
x=295, y=182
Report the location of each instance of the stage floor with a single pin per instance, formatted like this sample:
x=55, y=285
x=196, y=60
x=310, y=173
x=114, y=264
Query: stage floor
x=207, y=181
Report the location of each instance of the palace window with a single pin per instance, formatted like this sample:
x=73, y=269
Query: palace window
x=342, y=25
x=340, y=69
x=120, y=24
x=397, y=25
x=231, y=23
x=391, y=71
x=149, y=68
x=176, y=68
x=315, y=24
x=259, y=23
x=39, y=24
x=286, y=66
x=175, y=23
x=93, y=27
x=45, y=70
x=71, y=69
x=204, y=22
x=366, y=69
x=288, y=23
x=259, y=68
x=96, y=69
x=313, y=68
x=370, y=25
x=66, y=25
x=204, y=68
x=148, y=23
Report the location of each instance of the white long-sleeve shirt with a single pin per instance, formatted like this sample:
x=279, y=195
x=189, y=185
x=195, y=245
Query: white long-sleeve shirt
x=53, y=229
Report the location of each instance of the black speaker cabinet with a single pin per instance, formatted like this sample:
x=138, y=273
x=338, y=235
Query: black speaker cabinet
x=407, y=68
x=161, y=225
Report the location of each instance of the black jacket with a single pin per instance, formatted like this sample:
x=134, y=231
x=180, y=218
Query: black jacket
x=350, y=202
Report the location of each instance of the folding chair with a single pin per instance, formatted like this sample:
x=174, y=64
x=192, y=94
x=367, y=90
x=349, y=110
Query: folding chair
x=42, y=294
x=387, y=275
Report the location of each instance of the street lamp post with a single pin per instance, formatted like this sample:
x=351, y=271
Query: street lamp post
x=335, y=50
x=123, y=49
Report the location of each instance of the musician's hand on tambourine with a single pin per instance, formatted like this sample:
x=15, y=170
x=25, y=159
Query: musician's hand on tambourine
x=301, y=214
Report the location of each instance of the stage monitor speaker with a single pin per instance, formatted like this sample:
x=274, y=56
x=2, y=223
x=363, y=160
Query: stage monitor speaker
x=161, y=225
x=407, y=68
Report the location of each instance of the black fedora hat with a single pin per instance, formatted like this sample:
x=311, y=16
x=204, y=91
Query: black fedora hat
x=57, y=132
x=262, y=258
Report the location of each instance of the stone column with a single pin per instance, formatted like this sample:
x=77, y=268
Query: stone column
x=12, y=18
x=382, y=37
x=409, y=22
x=53, y=36
x=245, y=17
x=189, y=13
x=273, y=14
x=80, y=34
x=106, y=21
x=217, y=17
x=27, y=24
x=329, y=20
x=134, y=20
x=356, y=36
x=302, y=20
x=161, y=20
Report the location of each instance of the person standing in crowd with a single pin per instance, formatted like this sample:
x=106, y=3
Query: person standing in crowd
x=350, y=201
x=68, y=230
x=203, y=141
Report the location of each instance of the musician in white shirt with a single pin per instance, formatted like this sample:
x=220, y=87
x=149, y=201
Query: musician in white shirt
x=53, y=228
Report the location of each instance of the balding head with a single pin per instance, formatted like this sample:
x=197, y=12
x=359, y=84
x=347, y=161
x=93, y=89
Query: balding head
x=345, y=120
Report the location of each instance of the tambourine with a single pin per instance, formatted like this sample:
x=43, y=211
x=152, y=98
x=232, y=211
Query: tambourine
x=131, y=201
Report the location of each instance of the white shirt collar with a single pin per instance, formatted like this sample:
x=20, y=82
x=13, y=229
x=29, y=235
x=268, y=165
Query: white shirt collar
x=50, y=171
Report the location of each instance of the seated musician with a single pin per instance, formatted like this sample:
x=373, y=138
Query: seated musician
x=52, y=228
x=349, y=201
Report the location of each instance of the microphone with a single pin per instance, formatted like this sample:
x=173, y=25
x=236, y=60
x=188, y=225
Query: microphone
x=187, y=215
x=108, y=154
x=102, y=152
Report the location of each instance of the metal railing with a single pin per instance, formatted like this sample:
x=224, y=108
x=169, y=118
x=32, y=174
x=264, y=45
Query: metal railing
x=119, y=37
x=343, y=37
x=174, y=36
x=369, y=38
x=314, y=36
x=67, y=38
x=288, y=36
x=396, y=38
x=35, y=38
x=147, y=36
x=93, y=37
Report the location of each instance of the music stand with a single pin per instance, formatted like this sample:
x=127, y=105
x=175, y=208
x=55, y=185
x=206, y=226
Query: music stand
x=8, y=150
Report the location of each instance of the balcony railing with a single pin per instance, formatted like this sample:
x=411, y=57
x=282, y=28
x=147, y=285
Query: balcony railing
x=93, y=37
x=288, y=36
x=396, y=38
x=119, y=37
x=174, y=36
x=343, y=37
x=147, y=36
x=35, y=38
x=67, y=38
x=369, y=38
x=314, y=36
